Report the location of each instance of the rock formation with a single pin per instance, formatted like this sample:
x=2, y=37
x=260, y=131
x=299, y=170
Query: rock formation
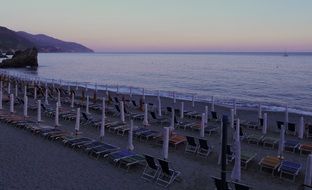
x=26, y=58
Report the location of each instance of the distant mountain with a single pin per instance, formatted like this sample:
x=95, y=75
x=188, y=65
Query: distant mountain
x=11, y=40
x=49, y=44
x=21, y=40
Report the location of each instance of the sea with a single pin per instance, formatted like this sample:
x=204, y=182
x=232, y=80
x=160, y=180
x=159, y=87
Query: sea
x=270, y=79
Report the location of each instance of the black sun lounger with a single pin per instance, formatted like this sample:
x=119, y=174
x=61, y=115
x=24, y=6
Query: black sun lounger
x=151, y=169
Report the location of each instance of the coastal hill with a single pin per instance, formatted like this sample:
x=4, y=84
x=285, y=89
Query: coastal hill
x=11, y=40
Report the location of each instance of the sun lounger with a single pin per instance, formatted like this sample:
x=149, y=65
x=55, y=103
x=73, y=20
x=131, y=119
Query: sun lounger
x=191, y=145
x=52, y=132
x=104, y=150
x=76, y=141
x=59, y=135
x=211, y=129
x=118, y=155
x=291, y=145
x=217, y=181
x=204, y=149
x=151, y=169
x=215, y=117
x=139, y=131
x=176, y=140
x=247, y=157
x=305, y=187
x=305, y=148
x=167, y=175
x=82, y=142
x=132, y=160
x=156, y=119
x=241, y=186
x=192, y=114
x=115, y=128
x=184, y=124
x=291, y=129
x=93, y=144
x=290, y=169
x=270, y=162
x=279, y=124
x=255, y=138
x=148, y=135
x=253, y=124
x=269, y=141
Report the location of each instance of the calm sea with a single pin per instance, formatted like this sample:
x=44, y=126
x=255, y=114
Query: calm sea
x=269, y=78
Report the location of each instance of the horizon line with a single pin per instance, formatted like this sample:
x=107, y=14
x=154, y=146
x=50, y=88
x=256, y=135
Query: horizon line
x=205, y=52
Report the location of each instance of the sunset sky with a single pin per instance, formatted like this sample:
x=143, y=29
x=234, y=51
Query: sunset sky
x=167, y=25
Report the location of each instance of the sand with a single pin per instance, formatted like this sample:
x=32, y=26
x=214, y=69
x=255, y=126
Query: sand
x=29, y=161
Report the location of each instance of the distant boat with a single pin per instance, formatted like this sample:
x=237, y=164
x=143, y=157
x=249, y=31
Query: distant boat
x=285, y=54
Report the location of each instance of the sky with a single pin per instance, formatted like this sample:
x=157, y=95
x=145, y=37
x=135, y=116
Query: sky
x=167, y=25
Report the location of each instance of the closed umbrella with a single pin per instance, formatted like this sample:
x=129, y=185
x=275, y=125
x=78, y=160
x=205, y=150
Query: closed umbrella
x=308, y=172
x=172, y=119
x=122, y=112
x=145, y=120
x=232, y=118
x=301, y=128
x=57, y=123
x=159, y=106
x=9, y=88
x=212, y=104
x=16, y=90
x=281, y=142
x=165, y=142
x=286, y=116
x=234, y=106
x=102, y=130
x=35, y=93
x=87, y=105
x=72, y=103
x=130, y=136
x=174, y=97
x=265, y=123
x=182, y=110
x=236, y=172
x=46, y=102
x=260, y=111
x=193, y=101
x=77, y=125
x=59, y=97
x=39, y=111
x=11, y=103
x=25, y=106
x=206, y=115
x=202, y=126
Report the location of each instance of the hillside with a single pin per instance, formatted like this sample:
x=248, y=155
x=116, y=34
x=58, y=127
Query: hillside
x=11, y=40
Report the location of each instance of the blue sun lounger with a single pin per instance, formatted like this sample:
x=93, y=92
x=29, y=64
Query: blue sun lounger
x=289, y=168
x=116, y=156
x=149, y=134
x=291, y=145
x=104, y=150
x=76, y=141
x=139, y=131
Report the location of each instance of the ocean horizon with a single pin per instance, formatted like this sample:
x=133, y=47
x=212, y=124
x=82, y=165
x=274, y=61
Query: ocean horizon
x=250, y=78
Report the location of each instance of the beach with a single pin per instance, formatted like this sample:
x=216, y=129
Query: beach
x=30, y=161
